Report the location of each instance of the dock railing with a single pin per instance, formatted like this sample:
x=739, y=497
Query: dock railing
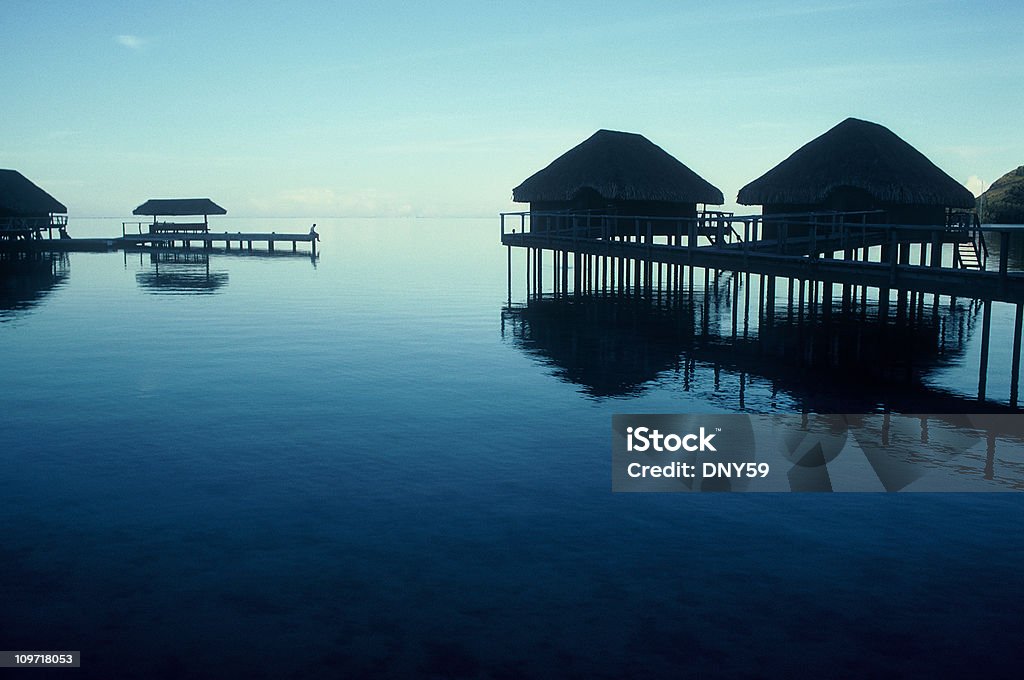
x=138, y=226
x=31, y=227
x=815, y=235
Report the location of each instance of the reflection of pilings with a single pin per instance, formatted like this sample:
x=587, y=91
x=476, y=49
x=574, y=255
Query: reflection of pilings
x=986, y=327
x=601, y=340
x=1015, y=370
x=805, y=299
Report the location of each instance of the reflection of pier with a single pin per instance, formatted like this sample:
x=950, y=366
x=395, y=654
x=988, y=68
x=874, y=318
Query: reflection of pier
x=815, y=264
x=181, y=273
x=720, y=344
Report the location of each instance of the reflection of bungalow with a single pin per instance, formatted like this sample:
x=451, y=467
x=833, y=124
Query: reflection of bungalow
x=26, y=210
x=858, y=165
x=25, y=279
x=617, y=173
x=609, y=346
x=179, y=207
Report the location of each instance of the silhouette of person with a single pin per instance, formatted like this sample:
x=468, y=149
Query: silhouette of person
x=64, y=233
x=312, y=232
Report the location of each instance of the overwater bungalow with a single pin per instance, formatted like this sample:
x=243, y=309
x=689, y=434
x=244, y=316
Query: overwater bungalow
x=26, y=211
x=615, y=173
x=859, y=166
x=179, y=207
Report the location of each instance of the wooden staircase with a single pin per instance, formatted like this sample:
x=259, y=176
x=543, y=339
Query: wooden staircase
x=968, y=256
x=971, y=250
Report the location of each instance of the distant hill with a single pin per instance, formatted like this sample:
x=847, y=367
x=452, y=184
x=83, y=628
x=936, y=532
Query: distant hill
x=1003, y=203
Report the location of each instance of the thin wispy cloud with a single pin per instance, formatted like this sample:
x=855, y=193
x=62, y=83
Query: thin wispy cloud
x=133, y=42
x=57, y=135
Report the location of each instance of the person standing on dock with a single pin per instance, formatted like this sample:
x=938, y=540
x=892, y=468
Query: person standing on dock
x=312, y=232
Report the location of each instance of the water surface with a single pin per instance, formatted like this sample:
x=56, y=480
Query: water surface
x=377, y=464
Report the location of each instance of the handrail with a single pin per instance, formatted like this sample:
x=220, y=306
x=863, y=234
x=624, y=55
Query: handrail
x=32, y=223
x=124, y=227
x=837, y=224
x=813, y=235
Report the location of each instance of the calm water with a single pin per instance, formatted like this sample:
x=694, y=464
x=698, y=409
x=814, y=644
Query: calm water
x=375, y=465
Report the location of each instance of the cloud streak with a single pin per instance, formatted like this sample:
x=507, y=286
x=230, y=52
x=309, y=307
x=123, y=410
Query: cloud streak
x=133, y=42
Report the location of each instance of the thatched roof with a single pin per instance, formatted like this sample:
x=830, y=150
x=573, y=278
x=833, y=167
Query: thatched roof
x=19, y=197
x=857, y=153
x=179, y=206
x=619, y=166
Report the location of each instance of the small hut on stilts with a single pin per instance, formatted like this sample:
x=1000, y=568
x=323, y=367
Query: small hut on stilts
x=615, y=173
x=858, y=166
x=26, y=211
x=179, y=207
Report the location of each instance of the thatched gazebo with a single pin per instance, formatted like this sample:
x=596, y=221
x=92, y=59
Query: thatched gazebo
x=616, y=173
x=25, y=209
x=178, y=207
x=859, y=165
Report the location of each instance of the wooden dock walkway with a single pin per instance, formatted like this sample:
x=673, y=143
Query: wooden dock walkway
x=872, y=255
x=228, y=241
x=209, y=239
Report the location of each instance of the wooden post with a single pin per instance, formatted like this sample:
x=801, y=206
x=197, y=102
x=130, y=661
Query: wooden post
x=1004, y=252
x=539, y=269
x=540, y=272
x=565, y=272
x=529, y=281
x=789, y=306
x=746, y=304
x=800, y=303
x=760, y=303
x=735, y=301
x=577, y=273
x=637, y=264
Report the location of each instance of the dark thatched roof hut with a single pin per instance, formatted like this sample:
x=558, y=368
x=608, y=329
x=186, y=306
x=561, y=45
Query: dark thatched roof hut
x=179, y=206
x=620, y=173
x=859, y=165
x=19, y=197
x=25, y=209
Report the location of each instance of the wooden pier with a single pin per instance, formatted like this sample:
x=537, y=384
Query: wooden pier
x=207, y=240
x=228, y=241
x=814, y=255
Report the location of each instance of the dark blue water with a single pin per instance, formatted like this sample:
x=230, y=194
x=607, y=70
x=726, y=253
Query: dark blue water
x=357, y=467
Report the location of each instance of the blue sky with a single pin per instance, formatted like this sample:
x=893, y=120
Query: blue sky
x=384, y=109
